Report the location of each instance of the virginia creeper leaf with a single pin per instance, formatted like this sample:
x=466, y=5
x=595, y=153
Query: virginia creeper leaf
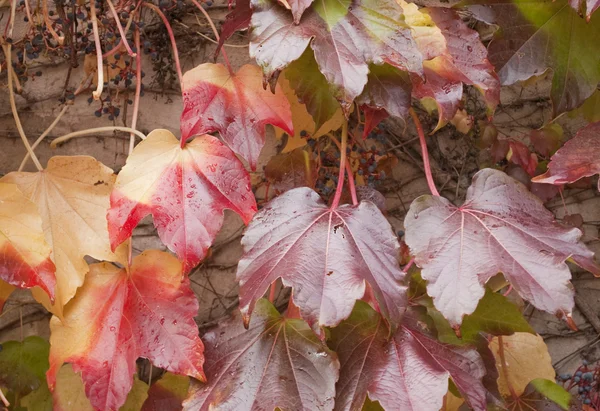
x=24, y=254
x=23, y=364
x=277, y=363
x=5, y=291
x=167, y=393
x=526, y=357
x=408, y=371
x=39, y=400
x=297, y=7
x=540, y=35
x=586, y=7
x=501, y=227
x=235, y=105
x=186, y=191
x=238, y=19
x=325, y=255
x=117, y=317
x=578, y=158
x=541, y=388
x=72, y=197
x=346, y=37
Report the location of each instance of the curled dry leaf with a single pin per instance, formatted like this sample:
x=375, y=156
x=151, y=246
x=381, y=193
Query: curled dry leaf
x=578, y=158
x=277, y=363
x=24, y=254
x=185, y=189
x=326, y=255
x=234, y=104
x=117, y=317
x=501, y=227
x=72, y=197
x=407, y=372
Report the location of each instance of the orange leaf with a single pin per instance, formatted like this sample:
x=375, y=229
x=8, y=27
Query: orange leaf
x=117, y=317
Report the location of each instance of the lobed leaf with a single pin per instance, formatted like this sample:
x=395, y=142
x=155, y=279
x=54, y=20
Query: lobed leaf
x=185, y=189
x=72, y=198
x=117, y=317
x=578, y=158
x=23, y=364
x=326, y=255
x=408, y=371
x=235, y=105
x=237, y=19
x=277, y=363
x=501, y=227
x=24, y=254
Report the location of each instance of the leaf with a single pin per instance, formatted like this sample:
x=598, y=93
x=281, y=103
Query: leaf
x=277, y=362
x=543, y=34
x=552, y=391
x=501, y=227
x=407, y=372
x=590, y=109
x=578, y=158
x=297, y=7
x=167, y=393
x=185, y=189
x=69, y=393
x=72, y=197
x=23, y=364
x=238, y=19
x=526, y=357
x=5, y=291
x=291, y=170
x=587, y=6
x=235, y=105
x=39, y=400
x=346, y=37
x=327, y=257
x=547, y=139
x=117, y=317
x=24, y=254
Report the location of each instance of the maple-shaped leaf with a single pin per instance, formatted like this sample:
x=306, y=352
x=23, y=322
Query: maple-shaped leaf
x=578, y=158
x=72, y=197
x=277, y=363
x=24, y=254
x=167, y=393
x=501, y=227
x=117, y=317
x=406, y=372
x=238, y=19
x=346, y=37
x=185, y=189
x=326, y=255
x=544, y=34
x=234, y=104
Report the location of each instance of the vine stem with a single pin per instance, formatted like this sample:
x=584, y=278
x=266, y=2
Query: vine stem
x=4, y=400
x=13, y=106
x=115, y=49
x=120, y=28
x=215, y=32
x=340, y=184
x=272, y=292
x=138, y=88
x=425, y=153
x=88, y=131
x=505, y=368
x=348, y=171
x=171, y=37
x=43, y=136
x=98, y=93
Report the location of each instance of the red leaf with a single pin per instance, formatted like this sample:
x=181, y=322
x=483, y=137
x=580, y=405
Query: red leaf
x=238, y=19
x=235, y=105
x=277, y=363
x=578, y=158
x=344, y=39
x=297, y=7
x=501, y=227
x=117, y=317
x=520, y=155
x=445, y=94
x=325, y=255
x=408, y=372
x=186, y=191
x=373, y=117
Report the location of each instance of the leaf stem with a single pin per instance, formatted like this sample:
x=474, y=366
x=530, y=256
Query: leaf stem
x=171, y=37
x=13, y=106
x=425, y=153
x=215, y=32
x=4, y=400
x=272, y=292
x=348, y=171
x=43, y=136
x=120, y=28
x=505, y=368
x=138, y=88
x=98, y=93
x=340, y=184
x=88, y=131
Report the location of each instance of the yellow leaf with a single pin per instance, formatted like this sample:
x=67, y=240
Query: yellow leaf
x=526, y=357
x=72, y=198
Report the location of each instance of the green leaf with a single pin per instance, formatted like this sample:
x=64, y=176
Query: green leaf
x=23, y=365
x=552, y=391
x=136, y=397
x=495, y=315
x=331, y=11
x=38, y=400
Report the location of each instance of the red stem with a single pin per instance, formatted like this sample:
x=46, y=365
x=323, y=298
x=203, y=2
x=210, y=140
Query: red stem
x=425, y=153
x=272, y=292
x=120, y=28
x=505, y=369
x=215, y=32
x=348, y=171
x=340, y=183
